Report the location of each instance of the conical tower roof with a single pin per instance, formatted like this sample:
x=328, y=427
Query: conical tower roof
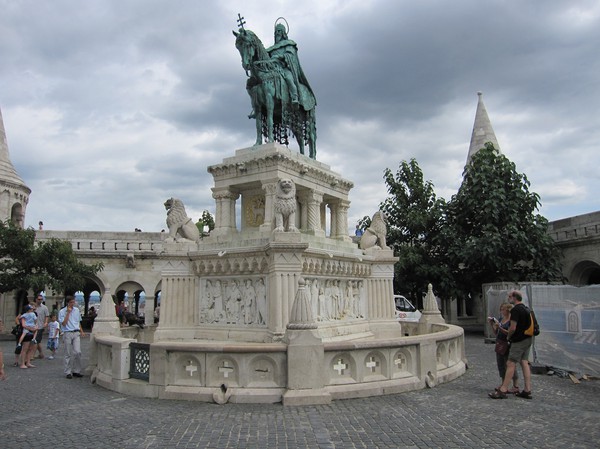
x=8, y=174
x=482, y=130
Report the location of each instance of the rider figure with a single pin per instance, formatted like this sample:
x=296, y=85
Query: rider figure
x=285, y=53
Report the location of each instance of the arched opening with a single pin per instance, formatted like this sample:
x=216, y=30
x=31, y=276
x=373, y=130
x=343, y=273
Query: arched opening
x=585, y=273
x=133, y=296
x=17, y=216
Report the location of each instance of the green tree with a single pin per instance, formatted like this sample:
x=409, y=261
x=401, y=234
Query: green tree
x=414, y=215
x=493, y=231
x=29, y=264
x=364, y=222
x=205, y=220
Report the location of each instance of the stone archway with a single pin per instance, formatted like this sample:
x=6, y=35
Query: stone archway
x=17, y=215
x=585, y=273
x=133, y=290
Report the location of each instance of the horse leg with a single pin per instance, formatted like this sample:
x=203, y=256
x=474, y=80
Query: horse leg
x=257, y=115
x=270, y=106
x=299, y=138
x=312, y=136
x=259, y=119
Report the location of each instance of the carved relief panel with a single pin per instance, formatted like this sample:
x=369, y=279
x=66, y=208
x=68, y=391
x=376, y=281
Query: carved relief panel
x=336, y=299
x=240, y=301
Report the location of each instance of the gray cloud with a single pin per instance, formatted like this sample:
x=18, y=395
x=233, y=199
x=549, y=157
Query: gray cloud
x=111, y=107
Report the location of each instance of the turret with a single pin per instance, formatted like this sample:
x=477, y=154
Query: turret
x=14, y=194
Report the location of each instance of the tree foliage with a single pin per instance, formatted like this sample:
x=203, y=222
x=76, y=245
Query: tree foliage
x=29, y=264
x=414, y=215
x=492, y=231
x=205, y=220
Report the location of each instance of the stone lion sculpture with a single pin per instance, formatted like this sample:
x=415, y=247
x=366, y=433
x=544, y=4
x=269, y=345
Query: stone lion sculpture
x=178, y=221
x=374, y=235
x=285, y=206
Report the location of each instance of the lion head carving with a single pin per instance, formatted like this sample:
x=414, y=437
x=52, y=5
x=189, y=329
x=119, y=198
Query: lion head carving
x=178, y=221
x=374, y=235
x=285, y=206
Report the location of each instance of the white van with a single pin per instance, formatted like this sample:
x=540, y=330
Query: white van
x=405, y=311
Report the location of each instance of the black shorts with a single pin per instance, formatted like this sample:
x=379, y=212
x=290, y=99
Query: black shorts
x=28, y=337
x=39, y=335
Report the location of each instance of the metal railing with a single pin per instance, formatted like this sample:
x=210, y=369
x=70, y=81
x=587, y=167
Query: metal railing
x=139, y=364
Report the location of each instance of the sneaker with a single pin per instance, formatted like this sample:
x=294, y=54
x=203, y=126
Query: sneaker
x=77, y=375
x=51, y=357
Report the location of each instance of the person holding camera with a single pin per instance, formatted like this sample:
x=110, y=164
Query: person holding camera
x=502, y=348
x=520, y=346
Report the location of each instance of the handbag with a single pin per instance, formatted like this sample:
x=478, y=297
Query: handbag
x=501, y=347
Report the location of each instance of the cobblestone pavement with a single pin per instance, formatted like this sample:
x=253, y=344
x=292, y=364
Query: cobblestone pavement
x=39, y=407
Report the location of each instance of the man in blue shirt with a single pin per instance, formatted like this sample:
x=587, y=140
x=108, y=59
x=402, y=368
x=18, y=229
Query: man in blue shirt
x=69, y=318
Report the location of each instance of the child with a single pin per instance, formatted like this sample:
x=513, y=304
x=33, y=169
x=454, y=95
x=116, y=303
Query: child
x=29, y=323
x=53, y=332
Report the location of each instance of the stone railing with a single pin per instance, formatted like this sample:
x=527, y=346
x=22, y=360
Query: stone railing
x=255, y=372
x=108, y=242
x=581, y=232
x=575, y=228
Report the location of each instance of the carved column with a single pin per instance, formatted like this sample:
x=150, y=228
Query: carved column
x=314, y=226
x=270, y=189
x=177, y=307
x=285, y=266
x=380, y=292
x=341, y=221
x=303, y=200
x=323, y=214
x=149, y=310
x=225, y=211
x=333, y=218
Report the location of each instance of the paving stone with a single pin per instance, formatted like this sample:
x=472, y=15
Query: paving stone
x=454, y=415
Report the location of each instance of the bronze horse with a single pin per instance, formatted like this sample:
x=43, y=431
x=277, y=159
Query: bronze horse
x=272, y=107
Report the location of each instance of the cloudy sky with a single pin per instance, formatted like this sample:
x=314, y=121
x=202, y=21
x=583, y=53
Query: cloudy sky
x=111, y=106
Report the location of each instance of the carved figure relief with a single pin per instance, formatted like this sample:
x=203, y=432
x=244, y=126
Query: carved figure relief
x=234, y=301
x=285, y=206
x=255, y=211
x=179, y=223
x=336, y=299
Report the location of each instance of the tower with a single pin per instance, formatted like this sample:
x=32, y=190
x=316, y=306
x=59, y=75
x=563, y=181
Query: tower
x=482, y=130
x=14, y=194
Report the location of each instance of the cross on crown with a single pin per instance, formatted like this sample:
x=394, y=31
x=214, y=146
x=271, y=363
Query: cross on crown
x=241, y=22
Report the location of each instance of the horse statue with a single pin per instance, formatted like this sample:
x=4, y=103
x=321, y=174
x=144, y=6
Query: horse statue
x=282, y=100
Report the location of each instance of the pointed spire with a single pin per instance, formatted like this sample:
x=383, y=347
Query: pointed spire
x=8, y=173
x=482, y=130
x=14, y=193
x=301, y=316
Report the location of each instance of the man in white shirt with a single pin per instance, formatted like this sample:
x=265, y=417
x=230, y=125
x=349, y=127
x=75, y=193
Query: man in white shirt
x=69, y=318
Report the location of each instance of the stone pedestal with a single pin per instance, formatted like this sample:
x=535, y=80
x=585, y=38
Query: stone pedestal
x=107, y=322
x=305, y=369
x=431, y=313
